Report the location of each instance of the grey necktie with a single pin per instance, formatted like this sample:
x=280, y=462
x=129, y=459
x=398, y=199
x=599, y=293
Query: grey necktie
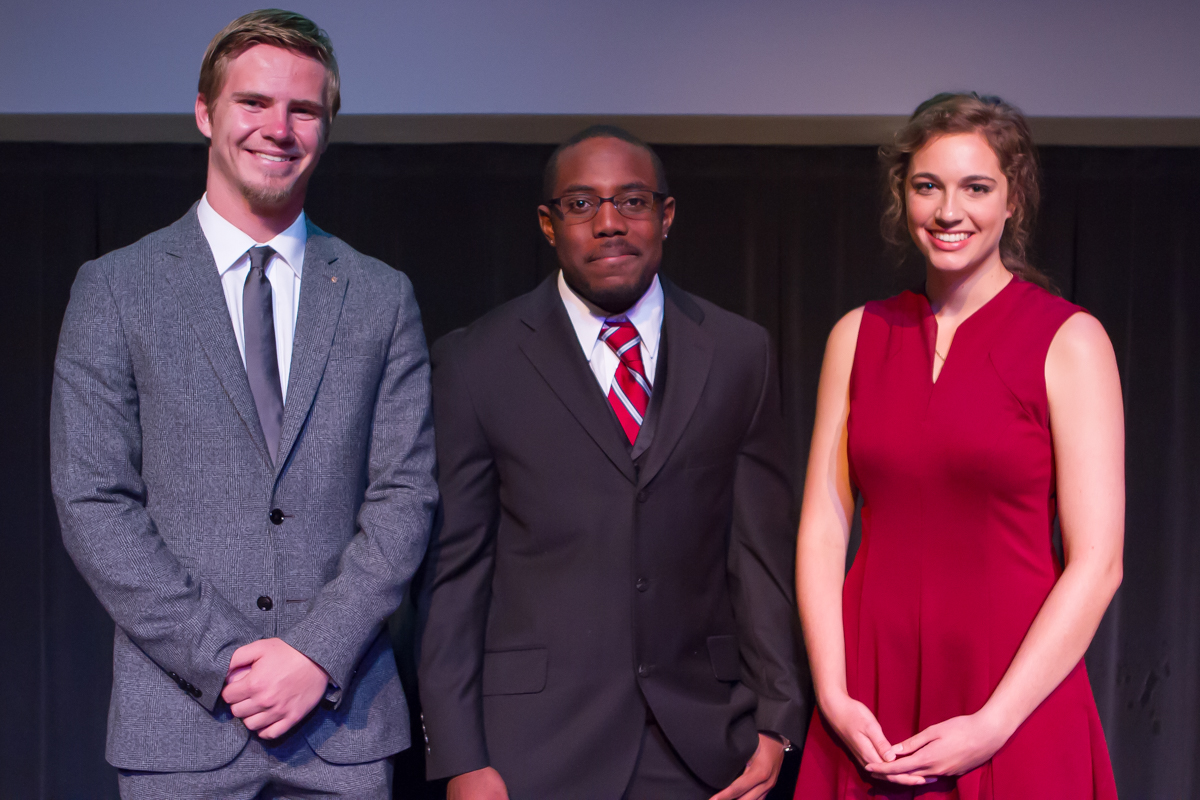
x=262, y=363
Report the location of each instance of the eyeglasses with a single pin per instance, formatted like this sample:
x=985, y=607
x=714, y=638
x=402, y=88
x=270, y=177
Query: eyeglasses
x=577, y=208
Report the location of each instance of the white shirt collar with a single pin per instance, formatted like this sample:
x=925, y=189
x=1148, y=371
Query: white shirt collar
x=229, y=243
x=646, y=315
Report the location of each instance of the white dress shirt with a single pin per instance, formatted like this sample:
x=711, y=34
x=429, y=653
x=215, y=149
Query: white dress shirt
x=646, y=315
x=230, y=248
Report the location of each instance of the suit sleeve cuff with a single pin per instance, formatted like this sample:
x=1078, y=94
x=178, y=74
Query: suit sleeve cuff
x=331, y=656
x=453, y=738
x=440, y=764
x=202, y=675
x=782, y=718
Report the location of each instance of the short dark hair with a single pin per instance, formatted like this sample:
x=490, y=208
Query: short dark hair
x=1006, y=131
x=550, y=176
x=278, y=28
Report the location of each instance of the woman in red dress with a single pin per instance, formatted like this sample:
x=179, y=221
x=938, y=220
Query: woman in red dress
x=948, y=661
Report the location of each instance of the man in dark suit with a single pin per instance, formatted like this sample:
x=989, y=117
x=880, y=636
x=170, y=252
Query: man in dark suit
x=242, y=458
x=609, y=601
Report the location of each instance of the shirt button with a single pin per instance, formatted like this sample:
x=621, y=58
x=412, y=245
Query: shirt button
x=642, y=584
x=276, y=516
x=265, y=603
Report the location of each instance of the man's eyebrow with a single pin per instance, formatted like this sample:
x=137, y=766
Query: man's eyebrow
x=265, y=98
x=310, y=105
x=575, y=188
x=251, y=96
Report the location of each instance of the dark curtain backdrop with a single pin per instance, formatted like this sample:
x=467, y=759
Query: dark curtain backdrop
x=787, y=236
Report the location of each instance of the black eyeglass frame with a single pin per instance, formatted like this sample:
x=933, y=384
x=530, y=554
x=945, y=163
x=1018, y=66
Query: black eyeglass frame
x=555, y=203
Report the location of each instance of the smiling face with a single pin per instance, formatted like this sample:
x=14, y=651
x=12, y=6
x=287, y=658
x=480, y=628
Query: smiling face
x=267, y=131
x=956, y=196
x=609, y=260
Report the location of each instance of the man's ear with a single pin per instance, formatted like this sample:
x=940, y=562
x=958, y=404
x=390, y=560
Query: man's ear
x=668, y=215
x=546, y=221
x=326, y=132
x=203, y=117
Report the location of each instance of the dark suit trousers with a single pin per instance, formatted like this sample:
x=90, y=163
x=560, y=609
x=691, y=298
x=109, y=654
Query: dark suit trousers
x=659, y=774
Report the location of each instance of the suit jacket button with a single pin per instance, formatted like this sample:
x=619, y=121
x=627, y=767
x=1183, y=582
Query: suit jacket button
x=194, y=692
x=173, y=676
x=265, y=603
x=644, y=670
x=642, y=584
x=276, y=516
x=642, y=495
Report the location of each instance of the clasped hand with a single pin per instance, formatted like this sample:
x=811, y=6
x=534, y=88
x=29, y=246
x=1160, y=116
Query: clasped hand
x=271, y=686
x=953, y=747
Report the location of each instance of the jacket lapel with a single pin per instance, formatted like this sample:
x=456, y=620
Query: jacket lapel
x=553, y=349
x=193, y=275
x=322, y=290
x=689, y=353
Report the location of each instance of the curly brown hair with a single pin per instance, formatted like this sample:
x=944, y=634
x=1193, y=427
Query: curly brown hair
x=1008, y=134
x=273, y=26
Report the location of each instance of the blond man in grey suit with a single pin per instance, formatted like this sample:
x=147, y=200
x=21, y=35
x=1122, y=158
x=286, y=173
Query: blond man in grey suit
x=242, y=458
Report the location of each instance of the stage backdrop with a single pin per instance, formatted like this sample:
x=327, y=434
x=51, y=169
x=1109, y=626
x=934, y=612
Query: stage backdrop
x=786, y=236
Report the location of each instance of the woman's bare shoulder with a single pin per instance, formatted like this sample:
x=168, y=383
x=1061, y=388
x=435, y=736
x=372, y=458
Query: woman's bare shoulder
x=1080, y=341
x=844, y=337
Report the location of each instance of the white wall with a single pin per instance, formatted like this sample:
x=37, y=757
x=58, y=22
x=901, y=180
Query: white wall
x=1101, y=58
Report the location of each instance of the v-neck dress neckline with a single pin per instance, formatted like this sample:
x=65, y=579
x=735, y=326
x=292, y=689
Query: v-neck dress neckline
x=930, y=325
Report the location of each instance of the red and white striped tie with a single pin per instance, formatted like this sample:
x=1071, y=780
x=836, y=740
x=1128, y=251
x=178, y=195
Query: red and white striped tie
x=629, y=394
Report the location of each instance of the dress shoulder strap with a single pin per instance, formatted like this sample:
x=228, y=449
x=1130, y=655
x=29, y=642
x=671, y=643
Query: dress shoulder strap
x=883, y=325
x=1022, y=342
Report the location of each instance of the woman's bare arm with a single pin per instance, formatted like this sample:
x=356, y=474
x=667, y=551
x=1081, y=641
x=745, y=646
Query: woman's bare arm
x=825, y=518
x=1088, y=425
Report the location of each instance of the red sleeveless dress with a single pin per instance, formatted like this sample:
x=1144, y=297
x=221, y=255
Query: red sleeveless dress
x=957, y=479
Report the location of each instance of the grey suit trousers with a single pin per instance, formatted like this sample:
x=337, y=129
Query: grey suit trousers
x=289, y=768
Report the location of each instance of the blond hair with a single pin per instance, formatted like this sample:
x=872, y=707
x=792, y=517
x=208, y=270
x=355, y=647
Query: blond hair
x=279, y=28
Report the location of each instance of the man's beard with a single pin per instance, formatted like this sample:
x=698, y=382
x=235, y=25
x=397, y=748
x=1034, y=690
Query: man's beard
x=613, y=299
x=268, y=196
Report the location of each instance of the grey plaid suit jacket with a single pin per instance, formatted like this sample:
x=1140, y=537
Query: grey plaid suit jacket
x=167, y=497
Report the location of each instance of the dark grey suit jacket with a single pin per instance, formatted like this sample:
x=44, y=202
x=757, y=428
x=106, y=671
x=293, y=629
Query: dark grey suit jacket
x=576, y=580
x=168, y=499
